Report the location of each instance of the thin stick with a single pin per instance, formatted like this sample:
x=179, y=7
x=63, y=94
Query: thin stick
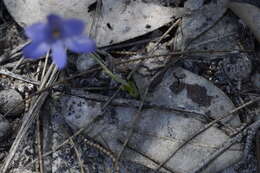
x=38, y=130
x=78, y=155
x=53, y=76
x=39, y=146
x=45, y=64
x=131, y=131
x=164, y=35
x=17, y=64
x=38, y=70
x=171, y=54
x=46, y=77
x=18, y=48
x=6, y=72
x=123, y=45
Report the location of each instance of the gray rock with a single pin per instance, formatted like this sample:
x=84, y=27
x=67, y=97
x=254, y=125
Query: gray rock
x=4, y=127
x=11, y=99
x=85, y=62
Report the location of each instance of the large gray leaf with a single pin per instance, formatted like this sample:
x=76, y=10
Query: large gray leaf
x=118, y=21
x=159, y=132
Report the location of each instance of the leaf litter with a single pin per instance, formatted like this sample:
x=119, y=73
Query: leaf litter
x=196, y=81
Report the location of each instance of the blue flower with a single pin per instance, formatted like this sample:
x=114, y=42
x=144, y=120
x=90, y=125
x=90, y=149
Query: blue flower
x=57, y=35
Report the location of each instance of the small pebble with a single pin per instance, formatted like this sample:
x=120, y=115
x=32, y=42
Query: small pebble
x=11, y=99
x=85, y=62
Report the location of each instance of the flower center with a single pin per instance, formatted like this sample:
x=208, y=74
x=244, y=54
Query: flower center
x=56, y=33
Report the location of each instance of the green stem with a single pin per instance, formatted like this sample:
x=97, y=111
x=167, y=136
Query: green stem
x=126, y=85
x=115, y=77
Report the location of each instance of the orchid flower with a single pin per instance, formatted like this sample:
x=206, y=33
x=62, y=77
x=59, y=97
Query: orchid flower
x=57, y=35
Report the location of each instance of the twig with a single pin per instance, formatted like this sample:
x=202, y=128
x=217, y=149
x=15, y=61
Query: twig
x=45, y=64
x=17, y=64
x=135, y=119
x=38, y=124
x=123, y=45
x=72, y=143
x=17, y=76
x=18, y=48
x=78, y=156
x=214, y=39
x=39, y=146
x=38, y=71
x=46, y=77
x=124, y=52
x=105, y=151
x=183, y=53
x=163, y=36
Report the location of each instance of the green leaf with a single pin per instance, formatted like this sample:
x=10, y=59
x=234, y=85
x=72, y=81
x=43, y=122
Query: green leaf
x=131, y=89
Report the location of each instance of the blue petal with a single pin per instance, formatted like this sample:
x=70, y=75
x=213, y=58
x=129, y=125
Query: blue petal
x=81, y=44
x=54, y=20
x=36, y=32
x=35, y=49
x=59, y=55
x=72, y=27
